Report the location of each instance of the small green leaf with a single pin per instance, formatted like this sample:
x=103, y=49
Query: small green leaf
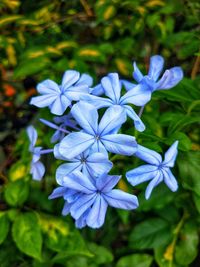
x=4, y=226
x=150, y=234
x=187, y=246
x=16, y=192
x=27, y=234
x=139, y=260
x=101, y=254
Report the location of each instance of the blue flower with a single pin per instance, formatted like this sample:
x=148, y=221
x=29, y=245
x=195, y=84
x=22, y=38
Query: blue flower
x=169, y=79
x=111, y=85
x=100, y=138
x=156, y=171
x=58, y=98
x=87, y=200
x=37, y=167
x=92, y=165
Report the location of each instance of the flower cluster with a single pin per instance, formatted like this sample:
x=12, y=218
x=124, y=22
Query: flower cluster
x=84, y=140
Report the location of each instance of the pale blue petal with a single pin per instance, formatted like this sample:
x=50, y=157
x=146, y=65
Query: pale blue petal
x=156, y=67
x=141, y=174
x=48, y=87
x=81, y=205
x=98, y=163
x=60, y=104
x=72, y=195
x=66, y=208
x=169, y=179
x=76, y=92
x=87, y=116
x=37, y=170
x=75, y=143
x=137, y=75
x=81, y=221
x=157, y=180
x=32, y=135
x=128, y=85
x=148, y=155
x=80, y=182
x=122, y=200
x=97, y=213
x=112, y=86
x=65, y=169
x=85, y=79
x=58, y=192
x=69, y=78
x=43, y=100
x=138, y=96
x=98, y=102
x=170, y=155
x=57, y=154
x=105, y=182
x=139, y=125
x=170, y=78
x=120, y=144
x=112, y=118
x=98, y=146
x=97, y=90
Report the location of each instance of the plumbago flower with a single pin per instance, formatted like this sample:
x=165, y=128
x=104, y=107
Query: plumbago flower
x=91, y=164
x=87, y=200
x=111, y=85
x=59, y=97
x=37, y=167
x=156, y=171
x=99, y=138
x=151, y=81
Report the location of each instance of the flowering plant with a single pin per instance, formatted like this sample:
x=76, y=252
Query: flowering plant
x=85, y=143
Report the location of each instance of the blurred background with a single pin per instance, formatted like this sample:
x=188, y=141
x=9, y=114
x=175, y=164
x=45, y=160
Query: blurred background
x=42, y=39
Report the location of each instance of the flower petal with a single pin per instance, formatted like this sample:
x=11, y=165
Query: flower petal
x=87, y=117
x=120, y=144
x=37, y=170
x=112, y=118
x=137, y=75
x=85, y=79
x=170, y=78
x=141, y=174
x=169, y=179
x=48, y=87
x=128, y=85
x=170, y=155
x=60, y=104
x=122, y=200
x=98, y=163
x=79, y=182
x=139, y=125
x=98, y=102
x=105, y=182
x=65, y=169
x=138, y=96
x=81, y=205
x=32, y=135
x=156, y=67
x=58, y=192
x=158, y=179
x=69, y=78
x=75, y=143
x=97, y=213
x=148, y=155
x=97, y=90
x=43, y=100
x=112, y=86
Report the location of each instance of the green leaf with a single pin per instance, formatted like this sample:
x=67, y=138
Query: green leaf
x=16, y=193
x=9, y=19
x=4, y=226
x=101, y=254
x=184, y=141
x=27, y=234
x=139, y=260
x=189, y=169
x=187, y=247
x=151, y=233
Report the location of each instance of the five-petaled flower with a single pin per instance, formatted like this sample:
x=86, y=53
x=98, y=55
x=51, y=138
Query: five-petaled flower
x=87, y=199
x=99, y=138
x=59, y=97
x=156, y=171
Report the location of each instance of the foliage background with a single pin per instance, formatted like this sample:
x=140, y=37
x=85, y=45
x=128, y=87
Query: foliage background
x=41, y=39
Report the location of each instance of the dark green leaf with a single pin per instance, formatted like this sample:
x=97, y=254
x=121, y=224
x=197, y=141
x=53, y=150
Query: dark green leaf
x=139, y=260
x=4, y=226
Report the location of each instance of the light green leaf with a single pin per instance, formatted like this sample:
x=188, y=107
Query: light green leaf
x=27, y=234
x=139, y=260
x=101, y=254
